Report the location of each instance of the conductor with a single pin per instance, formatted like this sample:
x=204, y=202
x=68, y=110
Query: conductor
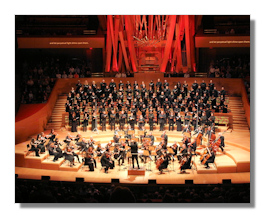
x=134, y=151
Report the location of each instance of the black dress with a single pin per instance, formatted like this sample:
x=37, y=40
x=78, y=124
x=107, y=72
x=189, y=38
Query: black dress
x=178, y=122
x=74, y=125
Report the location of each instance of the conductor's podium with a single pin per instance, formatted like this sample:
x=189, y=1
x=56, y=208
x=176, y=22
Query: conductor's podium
x=136, y=172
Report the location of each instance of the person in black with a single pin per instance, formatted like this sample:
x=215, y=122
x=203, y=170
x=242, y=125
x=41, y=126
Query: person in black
x=151, y=118
x=132, y=120
x=122, y=154
x=159, y=84
x=222, y=141
x=112, y=120
x=162, y=120
x=103, y=121
x=34, y=148
x=134, y=152
x=112, y=85
x=178, y=122
x=210, y=159
x=141, y=122
x=94, y=120
x=185, y=163
x=122, y=119
x=165, y=158
x=74, y=123
x=107, y=162
x=85, y=120
x=171, y=121
x=58, y=150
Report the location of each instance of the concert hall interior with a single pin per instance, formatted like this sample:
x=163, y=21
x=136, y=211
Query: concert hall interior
x=132, y=108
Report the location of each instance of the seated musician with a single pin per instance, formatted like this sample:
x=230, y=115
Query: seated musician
x=163, y=144
x=116, y=151
x=99, y=150
x=116, y=138
x=208, y=158
x=90, y=157
x=78, y=136
x=158, y=152
x=91, y=142
x=52, y=135
x=183, y=150
x=175, y=147
x=68, y=139
x=68, y=154
x=107, y=162
x=193, y=146
x=72, y=147
x=59, y=151
x=87, y=160
x=107, y=147
x=185, y=163
x=150, y=135
x=41, y=139
x=83, y=145
x=164, y=161
x=186, y=129
x=33, y=143
x=222, y=142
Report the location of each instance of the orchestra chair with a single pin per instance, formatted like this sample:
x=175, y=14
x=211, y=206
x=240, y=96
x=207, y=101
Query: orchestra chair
x=131, y=132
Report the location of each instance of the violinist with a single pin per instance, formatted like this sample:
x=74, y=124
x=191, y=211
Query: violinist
x=83, y=145
x=107, y=162
x=163, y=144
x=99, y=150
x=41, y=139
x=59, y=151
x=175, y=148
x=68, y=154
x=34, y=148
x=91, y=142
x=183, y=150
x=72, y=147
x=150, y=135
x=52, y=135
x=68, y=139
x=107, y=147
x=90, y=156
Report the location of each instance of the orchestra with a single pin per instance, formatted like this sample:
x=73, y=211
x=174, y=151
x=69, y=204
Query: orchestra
x=186, y=109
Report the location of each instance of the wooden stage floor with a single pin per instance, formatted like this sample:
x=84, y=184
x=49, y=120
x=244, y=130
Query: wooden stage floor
x=234, y=165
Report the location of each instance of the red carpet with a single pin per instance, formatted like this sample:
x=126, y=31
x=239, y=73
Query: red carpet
x=26, y=110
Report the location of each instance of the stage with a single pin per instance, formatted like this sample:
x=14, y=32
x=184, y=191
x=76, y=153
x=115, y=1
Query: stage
x=233, y=165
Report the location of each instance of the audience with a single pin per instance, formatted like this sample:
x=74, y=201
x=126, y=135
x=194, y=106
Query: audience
x=34, y=191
